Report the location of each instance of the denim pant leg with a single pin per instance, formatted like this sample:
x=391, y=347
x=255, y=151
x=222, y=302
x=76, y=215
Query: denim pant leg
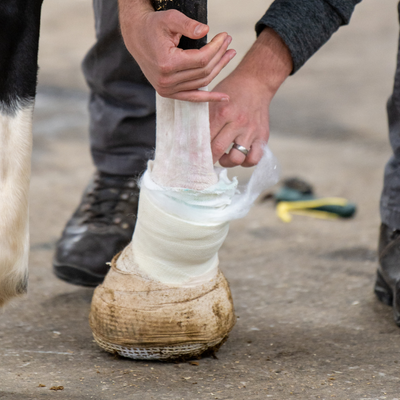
x=390, y=199
x=122, y=102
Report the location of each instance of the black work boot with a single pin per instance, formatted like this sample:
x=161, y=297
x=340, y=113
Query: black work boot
x=387, y=285
x=101, y=226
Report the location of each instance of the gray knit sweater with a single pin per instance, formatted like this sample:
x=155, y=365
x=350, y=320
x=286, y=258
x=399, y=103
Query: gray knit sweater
x=305, y=25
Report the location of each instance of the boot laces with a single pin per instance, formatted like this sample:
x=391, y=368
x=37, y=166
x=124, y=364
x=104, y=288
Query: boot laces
x=108, y=201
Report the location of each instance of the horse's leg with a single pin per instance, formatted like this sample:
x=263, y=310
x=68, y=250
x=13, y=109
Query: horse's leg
x=164, y=296
x=19, y=35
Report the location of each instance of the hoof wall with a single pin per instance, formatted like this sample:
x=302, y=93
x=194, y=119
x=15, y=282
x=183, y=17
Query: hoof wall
x=138, y=318
x=166, y=353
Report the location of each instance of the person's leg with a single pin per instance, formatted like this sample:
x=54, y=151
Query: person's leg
x=122, y=138
x=122, y=102
x=387, y=287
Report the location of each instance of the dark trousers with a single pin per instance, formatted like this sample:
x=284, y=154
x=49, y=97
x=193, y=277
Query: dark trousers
x=122, y=102
x=390, y=199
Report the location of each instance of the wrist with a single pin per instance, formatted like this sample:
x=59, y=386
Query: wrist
x=268, y=61
x=132, y=10
x=133, y=19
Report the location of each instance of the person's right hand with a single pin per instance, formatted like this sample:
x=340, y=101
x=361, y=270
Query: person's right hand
x=152, y=39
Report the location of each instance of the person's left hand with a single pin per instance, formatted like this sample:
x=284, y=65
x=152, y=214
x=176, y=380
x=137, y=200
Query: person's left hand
x=244, y=120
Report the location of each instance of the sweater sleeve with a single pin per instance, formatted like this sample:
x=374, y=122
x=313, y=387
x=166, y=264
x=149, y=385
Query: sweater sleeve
x=306, y=25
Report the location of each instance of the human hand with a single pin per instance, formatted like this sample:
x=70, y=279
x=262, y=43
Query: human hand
x=244, y=120
x=152, y=39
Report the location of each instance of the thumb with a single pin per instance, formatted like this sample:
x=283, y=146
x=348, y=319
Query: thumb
x=180, y=23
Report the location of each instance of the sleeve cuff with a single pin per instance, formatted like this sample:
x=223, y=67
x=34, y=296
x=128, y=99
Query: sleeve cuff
x=305, y=26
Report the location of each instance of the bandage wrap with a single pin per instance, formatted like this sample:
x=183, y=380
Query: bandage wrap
x=185, y=204
x=174, y=250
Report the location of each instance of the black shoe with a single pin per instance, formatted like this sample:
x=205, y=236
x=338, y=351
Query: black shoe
x=387, y=285
x=101, y=227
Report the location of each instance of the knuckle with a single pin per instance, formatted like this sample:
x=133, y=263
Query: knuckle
x=223, y=113
x=218, y=148
x=205, y=72
x=255, y=154
x=203, y=61
x=251, y=161
x=224, y=163
x=206, y=81
x=208, y=70
x=236, y=159
x=163, y=82
x=169, y=15
x=162, y=92
x=242, y=119
x=165, y=68
x=188, y=24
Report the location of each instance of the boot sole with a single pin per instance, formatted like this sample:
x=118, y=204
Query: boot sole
x=77, y=276
x=383, y=291
x=385, y=294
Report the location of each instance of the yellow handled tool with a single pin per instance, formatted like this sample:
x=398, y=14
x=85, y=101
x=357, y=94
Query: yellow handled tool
x=317, y=208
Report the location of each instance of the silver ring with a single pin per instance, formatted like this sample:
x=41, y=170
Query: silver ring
x=242, y=149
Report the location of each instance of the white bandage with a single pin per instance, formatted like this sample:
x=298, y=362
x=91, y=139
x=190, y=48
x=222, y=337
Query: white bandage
x=173, y=250
x=185, y=204
x=179, y=231
x=183, y=151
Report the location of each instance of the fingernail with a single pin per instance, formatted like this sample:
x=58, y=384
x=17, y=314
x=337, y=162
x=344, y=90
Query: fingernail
x=198, y=30
x=233, y=54
x=225, y=99
x=229, y=40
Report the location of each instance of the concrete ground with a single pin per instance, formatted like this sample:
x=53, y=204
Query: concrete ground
x=309, y=326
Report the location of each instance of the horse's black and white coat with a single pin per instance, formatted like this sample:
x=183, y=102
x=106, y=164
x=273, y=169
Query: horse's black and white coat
x=19, y=36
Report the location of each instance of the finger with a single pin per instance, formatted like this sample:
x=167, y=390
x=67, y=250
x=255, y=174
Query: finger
x=205, y=81
x=200, y=96
x=219, y=117
x=179, y=23
x=235, y=157
x=221, y=59
x=255, y=154
x=221, y=142
x=191, y=59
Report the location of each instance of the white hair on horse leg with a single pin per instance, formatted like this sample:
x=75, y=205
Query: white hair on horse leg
x=15, y=165
x=185, y=204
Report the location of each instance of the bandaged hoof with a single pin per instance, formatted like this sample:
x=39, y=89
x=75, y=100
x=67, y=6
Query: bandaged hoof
x=137, y=317
x=165, y=297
